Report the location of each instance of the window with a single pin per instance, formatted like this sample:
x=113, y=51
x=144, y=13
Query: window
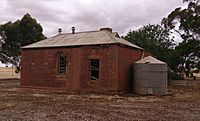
x=94, y=67
x=61, y=64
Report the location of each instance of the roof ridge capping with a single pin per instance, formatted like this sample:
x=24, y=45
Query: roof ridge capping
x=101, y=29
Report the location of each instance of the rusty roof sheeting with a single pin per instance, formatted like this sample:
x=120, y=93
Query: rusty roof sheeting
x=81, y=38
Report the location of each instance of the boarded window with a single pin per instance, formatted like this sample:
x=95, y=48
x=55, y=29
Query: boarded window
x=61, y=64
x=94, y=66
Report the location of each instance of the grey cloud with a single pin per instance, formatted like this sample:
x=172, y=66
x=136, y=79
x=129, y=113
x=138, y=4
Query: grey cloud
x=121, y=15
x=43, y=10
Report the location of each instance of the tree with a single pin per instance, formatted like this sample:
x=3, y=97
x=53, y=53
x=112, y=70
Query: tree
x=20, y=33
x=154, y=39
x=30, y=29
x=186, y=22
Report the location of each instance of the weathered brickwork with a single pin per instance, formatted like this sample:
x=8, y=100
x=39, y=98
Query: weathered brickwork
x=40, y=68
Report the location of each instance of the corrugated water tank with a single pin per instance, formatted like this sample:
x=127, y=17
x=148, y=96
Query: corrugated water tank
x=150, y=76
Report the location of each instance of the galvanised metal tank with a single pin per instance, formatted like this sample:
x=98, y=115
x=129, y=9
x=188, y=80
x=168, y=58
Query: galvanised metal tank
x=150, y=77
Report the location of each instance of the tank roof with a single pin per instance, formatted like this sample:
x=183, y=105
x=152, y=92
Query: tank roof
x=150, y=60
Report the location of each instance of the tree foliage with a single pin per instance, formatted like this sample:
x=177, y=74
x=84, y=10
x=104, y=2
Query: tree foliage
x=15, y=35
x=154, y=39
x=186, y=22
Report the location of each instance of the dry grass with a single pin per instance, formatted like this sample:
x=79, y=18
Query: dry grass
x=25, y=104
x=8, y=72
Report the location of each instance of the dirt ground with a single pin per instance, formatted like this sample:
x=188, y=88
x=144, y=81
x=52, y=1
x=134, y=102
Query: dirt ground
x=17, y=104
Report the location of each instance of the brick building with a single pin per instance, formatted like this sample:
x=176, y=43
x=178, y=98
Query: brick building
x=95, y=61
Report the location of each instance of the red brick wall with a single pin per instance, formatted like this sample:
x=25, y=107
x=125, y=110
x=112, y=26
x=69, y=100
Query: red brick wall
x=39, y=68
x=127, y=57
x=108, y=68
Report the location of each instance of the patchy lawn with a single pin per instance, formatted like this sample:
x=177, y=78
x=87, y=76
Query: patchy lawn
x=18, y=104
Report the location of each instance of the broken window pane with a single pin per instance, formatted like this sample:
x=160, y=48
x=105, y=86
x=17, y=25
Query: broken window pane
x=94, y=66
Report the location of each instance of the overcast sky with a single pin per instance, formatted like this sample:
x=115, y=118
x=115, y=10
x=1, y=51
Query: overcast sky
x=121, y=15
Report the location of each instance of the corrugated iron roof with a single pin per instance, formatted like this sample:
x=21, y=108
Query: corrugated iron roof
x=81, y=38
x=150, y=60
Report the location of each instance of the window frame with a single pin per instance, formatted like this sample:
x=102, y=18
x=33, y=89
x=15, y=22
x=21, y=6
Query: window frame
x=60, y=65
x=94, y=69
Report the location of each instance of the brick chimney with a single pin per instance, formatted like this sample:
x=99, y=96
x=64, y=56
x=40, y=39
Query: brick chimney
x=106, y=29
